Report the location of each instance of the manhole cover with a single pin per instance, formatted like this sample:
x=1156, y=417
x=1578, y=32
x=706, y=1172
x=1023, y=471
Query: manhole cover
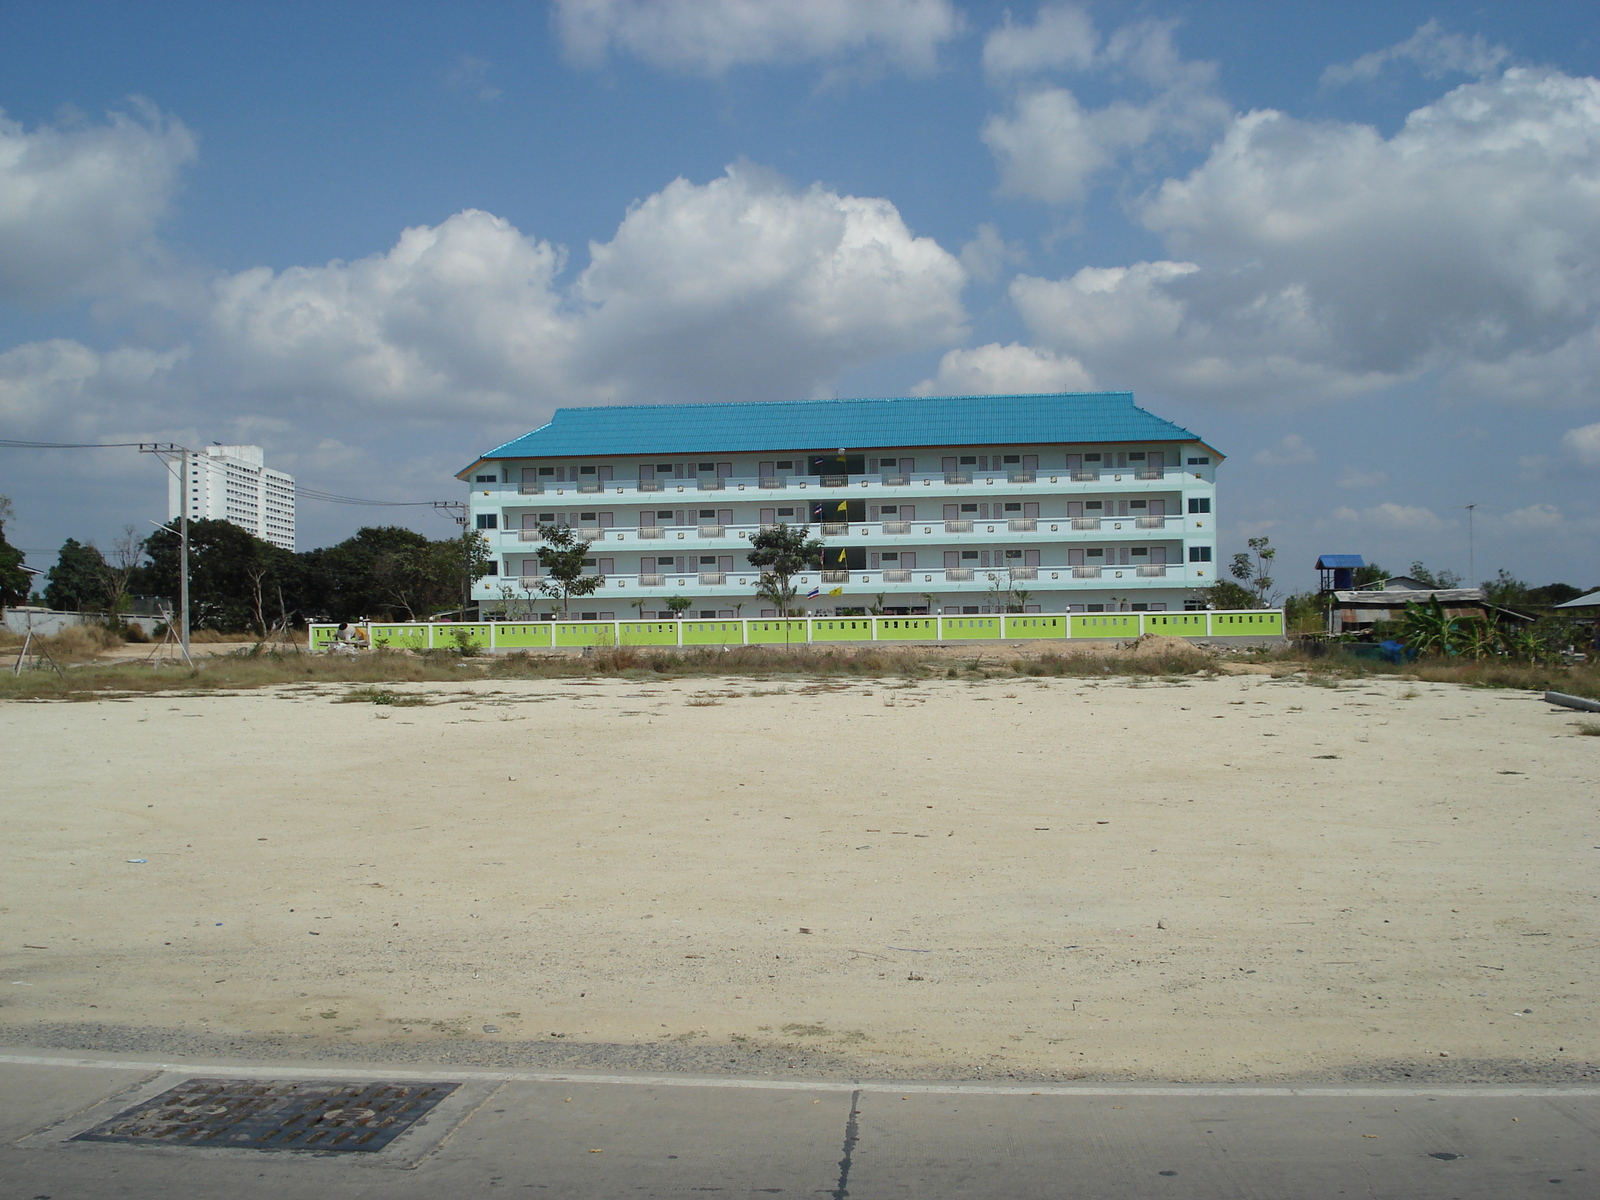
x=257, y=1114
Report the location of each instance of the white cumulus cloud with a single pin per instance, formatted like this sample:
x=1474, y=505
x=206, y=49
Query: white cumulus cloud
x=1322, y=260
x=740, y=288
x=711, y=36
x=1050, y=146
x=77, y=198
x=1390, y=517
x=996, y=370
x=1431, y=48
x=1289, y=449
x=1583, y=444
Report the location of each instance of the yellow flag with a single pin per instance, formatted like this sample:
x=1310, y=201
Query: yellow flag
x=844, y=506
x=836, y=592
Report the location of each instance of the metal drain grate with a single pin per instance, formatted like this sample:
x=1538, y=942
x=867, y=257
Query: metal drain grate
x=257, y=1114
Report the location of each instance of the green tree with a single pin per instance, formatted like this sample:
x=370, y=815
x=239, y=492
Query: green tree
x=77, y=582
x=1505, y=589
x=1434, y=579
x=562, y=557
x=1253, y=570
x=15, y=583
x=1227, y=595
x=781, y=553
x=235, y=578
x=354, y=578
x=676, y=605
x=117, y=572
x=1369, y=574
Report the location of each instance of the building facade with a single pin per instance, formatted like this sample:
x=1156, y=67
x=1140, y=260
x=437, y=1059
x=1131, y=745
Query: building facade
x=233, y=483
x=1072, y=502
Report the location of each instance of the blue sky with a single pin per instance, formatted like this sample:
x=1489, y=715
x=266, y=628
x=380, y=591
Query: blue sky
x=1356, y=246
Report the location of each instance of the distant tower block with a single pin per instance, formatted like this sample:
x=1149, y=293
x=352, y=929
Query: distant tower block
x=233, y=483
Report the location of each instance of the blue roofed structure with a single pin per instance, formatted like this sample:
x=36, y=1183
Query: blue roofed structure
x=826, y=424
x=1339, y=571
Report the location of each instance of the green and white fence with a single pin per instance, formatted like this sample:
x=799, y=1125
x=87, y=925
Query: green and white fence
x=800, y=631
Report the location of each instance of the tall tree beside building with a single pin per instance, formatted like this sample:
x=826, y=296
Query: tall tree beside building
x=77, y=582
x=235, y=578
x=15, y=583
x=781, y=553
x=562, y=558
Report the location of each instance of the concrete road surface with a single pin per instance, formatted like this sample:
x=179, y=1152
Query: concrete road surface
x=544, y=1134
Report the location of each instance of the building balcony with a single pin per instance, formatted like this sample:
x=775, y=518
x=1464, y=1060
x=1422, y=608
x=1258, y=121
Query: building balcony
x=1026, y=481
x=860, y=584
x=957, y=526
x=712, y=531
x=934, y=530
x=1022, y=525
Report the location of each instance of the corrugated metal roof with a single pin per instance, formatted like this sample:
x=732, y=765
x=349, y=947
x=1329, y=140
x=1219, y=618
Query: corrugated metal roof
x=799, y=425
x=1592, y=600
x=1399, y=599
x=1332, y=562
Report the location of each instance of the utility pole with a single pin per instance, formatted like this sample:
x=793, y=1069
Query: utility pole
x=1472, y=569
x=165, y=450
x=458, y=511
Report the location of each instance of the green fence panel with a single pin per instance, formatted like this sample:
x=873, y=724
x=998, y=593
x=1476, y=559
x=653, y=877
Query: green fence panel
x=1035, y=627
x=578, y=634
x=962, y=629
x=778, y=633
x=1266, y=623
x=713, y=633
x=647, y=633
x=908, y=629
x=532, y=635
x=841, y=629
x=1176, y=624
x=1105, y=625
x=399, y=636
x=320, y=637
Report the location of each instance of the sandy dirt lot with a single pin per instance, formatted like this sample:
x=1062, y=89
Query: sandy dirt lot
x=1242, y=878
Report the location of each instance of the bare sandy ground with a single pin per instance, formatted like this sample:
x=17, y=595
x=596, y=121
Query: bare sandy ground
x=1230, y=879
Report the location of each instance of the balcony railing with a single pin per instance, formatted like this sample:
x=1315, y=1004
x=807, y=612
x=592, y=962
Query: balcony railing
x=1022, y=524
x=652, y=531
x=712, y=531
x=705, y=484
x=774, y=483
x=1086, y=476
x=711, y=578
x=1086, y=522
x=1149, y=522
x=897, y=576
x=1152, y=570
x=1021, y=476
x=1086, y=572
x=530, y=489
x=590, y=485
x=1150, y=472
x=956, y=477
x=651, y=485
x=893, y=527
x=958, y=526
x=652, y=581
x=590, y=533
x=896, y=480
x=836, y=577
x=835, y=481
x=835, y=528
x=528, y=535
x=957, y=574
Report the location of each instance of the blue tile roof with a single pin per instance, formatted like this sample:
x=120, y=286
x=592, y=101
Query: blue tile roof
x=1331, y=562
x=800, y=425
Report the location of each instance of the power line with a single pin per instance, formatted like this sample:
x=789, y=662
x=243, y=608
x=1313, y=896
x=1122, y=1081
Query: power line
x=309, y=493
x=16, y=445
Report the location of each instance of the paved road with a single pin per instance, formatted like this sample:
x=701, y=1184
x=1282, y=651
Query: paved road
x=532, y=1133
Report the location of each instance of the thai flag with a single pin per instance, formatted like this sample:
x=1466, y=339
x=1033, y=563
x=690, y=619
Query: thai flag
x=813, y=593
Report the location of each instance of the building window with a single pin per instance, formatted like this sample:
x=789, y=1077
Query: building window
x=486, y=479
x=488, y=521
x=1200, y=504
x=1199, y=553
x=1200, y=462
x=494, y=567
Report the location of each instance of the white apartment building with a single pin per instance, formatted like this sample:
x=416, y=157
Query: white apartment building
x=1060, y=503
x=233, y=483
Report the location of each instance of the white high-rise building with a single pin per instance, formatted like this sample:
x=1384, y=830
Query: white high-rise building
x=233, y=483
